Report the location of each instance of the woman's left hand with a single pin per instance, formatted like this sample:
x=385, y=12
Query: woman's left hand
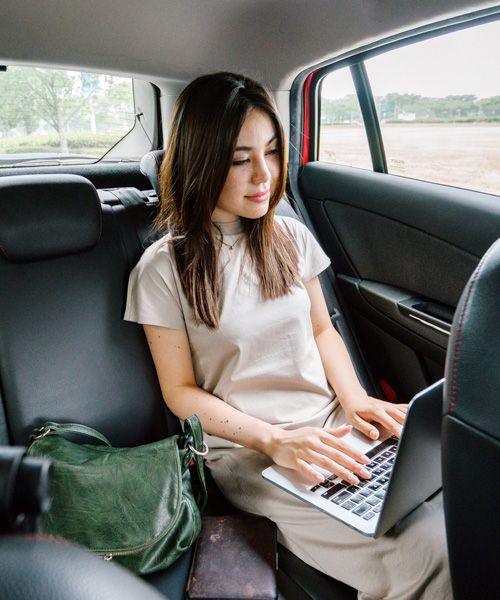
x=363, y=410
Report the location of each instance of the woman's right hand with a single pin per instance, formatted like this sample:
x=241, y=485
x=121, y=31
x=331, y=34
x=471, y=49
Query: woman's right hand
x=298, y=449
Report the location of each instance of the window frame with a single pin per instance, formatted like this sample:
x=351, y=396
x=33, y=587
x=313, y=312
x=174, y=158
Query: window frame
x=311, y=113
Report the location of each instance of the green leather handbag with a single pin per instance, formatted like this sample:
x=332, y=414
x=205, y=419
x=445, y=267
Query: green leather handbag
x=132, y=505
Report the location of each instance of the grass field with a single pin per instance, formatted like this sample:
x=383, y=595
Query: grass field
x=462, y=155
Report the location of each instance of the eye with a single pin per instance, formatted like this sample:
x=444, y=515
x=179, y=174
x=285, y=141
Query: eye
x=236, y=163
x=273, y=152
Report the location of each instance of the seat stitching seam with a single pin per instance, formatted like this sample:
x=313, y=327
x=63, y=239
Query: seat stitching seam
x=458, y=341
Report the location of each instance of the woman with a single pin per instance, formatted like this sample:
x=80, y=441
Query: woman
x=240, y=335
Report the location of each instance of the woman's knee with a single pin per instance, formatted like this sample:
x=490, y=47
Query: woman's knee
x=420, y=540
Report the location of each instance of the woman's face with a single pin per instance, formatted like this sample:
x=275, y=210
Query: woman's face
x=254, y=172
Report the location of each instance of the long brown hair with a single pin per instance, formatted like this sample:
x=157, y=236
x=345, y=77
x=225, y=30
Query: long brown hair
x=207, y=119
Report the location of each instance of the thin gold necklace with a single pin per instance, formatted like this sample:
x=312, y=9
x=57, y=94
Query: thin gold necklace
x=230, y=246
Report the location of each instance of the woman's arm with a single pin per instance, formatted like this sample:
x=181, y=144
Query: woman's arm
x=172, y=357
x=361, y=410
x=295, y=449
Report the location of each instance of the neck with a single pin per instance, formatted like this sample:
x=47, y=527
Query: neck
x=230, y=228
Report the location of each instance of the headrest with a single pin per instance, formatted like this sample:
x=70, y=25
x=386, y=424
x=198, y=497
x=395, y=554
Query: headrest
x=150, y=167
x=43, y=216
x=472, y=385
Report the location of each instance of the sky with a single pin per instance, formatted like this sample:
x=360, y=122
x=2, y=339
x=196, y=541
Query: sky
x=462, y=62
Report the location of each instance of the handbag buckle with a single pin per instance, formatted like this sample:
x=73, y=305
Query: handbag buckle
x=40, y=433
x=202, y=452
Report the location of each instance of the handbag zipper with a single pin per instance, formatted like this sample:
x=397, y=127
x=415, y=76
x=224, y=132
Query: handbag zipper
x=110, y=555
x=107, y=556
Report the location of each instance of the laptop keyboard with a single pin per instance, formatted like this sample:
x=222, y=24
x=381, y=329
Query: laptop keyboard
x=365, y=498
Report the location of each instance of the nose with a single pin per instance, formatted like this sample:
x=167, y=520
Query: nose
x=261, y=172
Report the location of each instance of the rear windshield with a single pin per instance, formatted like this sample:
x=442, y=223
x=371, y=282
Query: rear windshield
x=52, y=117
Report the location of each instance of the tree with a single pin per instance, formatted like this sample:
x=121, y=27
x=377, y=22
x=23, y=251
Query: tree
x=37, y=100
x=490, y=107
x=16, y=102
x=34, y=95
x=115, y=105
x=456, y=107
x=57, y=98
x=343, y=110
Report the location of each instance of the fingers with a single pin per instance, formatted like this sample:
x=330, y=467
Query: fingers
x=332, y=454
x=309, y=475
x=330, y=438
x=325, y=448
x=398, y=412
x=341, y=465
x=340, y=431
x=365, y=427
x=390, y=416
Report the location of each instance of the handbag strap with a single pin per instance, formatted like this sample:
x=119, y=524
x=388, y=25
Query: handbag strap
x=193, y=437
x=51, y=428
x=194, y=440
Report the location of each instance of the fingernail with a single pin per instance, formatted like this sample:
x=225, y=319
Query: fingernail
x=353, y=479
x=364, y=459
x=365, y=473
x=374, y=434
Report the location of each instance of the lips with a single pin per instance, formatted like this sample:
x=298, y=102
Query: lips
x=259, y=197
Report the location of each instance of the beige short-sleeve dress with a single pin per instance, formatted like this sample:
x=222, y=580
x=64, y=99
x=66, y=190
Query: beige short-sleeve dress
x=263, y=360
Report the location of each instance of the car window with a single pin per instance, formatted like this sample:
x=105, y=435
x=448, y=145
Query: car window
x=342, y=137
x=438, y=107
x=51, y=116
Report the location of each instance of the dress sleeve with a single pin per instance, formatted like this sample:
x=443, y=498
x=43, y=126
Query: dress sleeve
x=152, y=295
x=313, y=259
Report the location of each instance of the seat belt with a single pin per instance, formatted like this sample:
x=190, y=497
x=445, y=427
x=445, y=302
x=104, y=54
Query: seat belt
x=327, y=279
x=133, y=199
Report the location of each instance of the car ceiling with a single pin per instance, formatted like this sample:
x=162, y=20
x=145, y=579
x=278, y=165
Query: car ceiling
x=179, y=39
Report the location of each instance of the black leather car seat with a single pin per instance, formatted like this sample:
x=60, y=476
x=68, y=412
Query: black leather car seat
x=65, y=352
x=471, y=435
x=150, y=167
x=33, y=567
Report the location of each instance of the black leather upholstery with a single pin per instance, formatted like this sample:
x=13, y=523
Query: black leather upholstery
x=43, y=216
x=65, y=352
x=471, y=435
x=36, y=568
x=150, y=167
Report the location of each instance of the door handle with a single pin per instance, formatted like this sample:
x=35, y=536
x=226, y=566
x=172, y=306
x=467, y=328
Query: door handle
x=431, y=314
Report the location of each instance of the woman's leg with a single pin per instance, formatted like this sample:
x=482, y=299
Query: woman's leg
x=410, y=562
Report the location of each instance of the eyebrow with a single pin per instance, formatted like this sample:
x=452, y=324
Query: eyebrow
x=248, y=148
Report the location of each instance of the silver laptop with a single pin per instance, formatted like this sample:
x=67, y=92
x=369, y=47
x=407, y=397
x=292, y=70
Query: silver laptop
x=405, y=472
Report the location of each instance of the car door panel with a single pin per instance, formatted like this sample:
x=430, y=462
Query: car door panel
x=403, y=250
